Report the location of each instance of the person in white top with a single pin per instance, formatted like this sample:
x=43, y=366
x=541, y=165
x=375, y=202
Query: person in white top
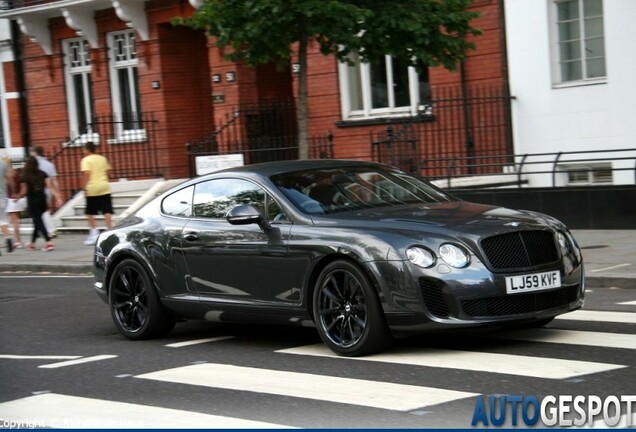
x=49, y=168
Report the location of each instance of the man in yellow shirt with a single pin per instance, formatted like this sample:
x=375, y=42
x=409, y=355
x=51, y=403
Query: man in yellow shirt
x=96, y=189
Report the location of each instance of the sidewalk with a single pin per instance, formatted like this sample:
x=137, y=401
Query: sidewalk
x=609, y=256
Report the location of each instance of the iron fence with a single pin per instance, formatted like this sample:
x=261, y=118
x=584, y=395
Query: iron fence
x=261, y=132
x=471, y=124
x=130, y=152
x=554, y=167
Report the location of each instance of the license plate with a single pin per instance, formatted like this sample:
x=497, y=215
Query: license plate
x=533, y=282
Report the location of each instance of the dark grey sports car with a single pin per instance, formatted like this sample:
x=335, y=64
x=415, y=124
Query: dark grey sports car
x=365, y=251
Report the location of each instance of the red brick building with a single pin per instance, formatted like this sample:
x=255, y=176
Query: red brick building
x=120, y=73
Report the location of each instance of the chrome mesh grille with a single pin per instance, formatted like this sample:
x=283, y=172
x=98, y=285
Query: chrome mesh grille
x=520, y=249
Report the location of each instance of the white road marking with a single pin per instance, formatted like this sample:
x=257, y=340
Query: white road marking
x=62, y=412
x=36, y=357
x=609, y=268
x=361, y=392
x=538, y=367
x=571, y=337
x=602, y=316
x=629, y=303
x=78, y=361
x=198, y=341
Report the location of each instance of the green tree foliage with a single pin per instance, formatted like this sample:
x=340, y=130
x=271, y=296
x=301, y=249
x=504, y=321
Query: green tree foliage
x=419, y=32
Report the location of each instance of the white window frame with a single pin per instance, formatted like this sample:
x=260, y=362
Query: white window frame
x=556, y=54
x=77, y=63
x=591, y=172
x=367, y=112
x=124, y=60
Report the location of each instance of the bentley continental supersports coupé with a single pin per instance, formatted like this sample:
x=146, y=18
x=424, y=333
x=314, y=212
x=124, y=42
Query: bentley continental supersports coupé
x=365, y=251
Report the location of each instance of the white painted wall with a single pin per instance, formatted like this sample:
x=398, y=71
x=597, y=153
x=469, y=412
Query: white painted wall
x=549, y=118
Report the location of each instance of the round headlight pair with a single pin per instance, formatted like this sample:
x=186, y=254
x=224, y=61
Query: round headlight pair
x=453, y=255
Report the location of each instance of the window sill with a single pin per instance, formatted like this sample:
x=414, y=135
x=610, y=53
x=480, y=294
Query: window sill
x=135, y=136
x=82, y=139
x=386, y=120
x=570, y=84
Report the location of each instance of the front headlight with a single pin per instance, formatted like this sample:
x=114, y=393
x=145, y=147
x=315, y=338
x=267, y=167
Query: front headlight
x=568, y=244
x=420, y=256
x=454, y=256
x=562, y=241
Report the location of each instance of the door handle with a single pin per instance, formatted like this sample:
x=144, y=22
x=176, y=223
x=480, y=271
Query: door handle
x=191, y=236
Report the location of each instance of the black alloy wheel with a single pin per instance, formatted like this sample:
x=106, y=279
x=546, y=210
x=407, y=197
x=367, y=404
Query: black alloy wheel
x=347, y=311
x=134, y=304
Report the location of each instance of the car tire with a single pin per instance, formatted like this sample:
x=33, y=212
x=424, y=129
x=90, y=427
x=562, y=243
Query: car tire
x=347, y=311
x=134, y=303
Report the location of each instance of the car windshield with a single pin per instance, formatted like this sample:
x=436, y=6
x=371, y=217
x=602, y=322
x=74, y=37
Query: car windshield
x=335, y=190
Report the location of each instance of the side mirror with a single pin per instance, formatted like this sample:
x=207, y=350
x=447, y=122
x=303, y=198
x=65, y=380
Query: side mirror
x=246, y=214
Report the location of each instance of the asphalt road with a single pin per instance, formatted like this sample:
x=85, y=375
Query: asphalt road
x=220, y=376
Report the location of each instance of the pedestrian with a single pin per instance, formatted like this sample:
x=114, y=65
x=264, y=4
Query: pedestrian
x=33, y=187
x=49, y=168
x=16, y=207
x=97, y=190
x=5, y=177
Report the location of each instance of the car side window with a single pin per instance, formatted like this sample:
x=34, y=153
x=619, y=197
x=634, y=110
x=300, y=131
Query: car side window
x=178, y=203
x=214, y=198
x=275, y=212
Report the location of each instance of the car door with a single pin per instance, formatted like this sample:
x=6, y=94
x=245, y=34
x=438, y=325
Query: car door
x=237, y=264
x=167, y=253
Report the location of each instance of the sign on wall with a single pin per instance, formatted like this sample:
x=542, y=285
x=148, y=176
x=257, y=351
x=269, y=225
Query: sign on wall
x=208, y=164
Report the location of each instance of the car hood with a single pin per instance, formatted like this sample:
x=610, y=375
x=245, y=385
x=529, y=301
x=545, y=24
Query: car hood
x=458, y=216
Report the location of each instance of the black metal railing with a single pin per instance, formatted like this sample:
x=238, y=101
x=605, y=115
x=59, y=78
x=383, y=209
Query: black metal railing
x=519, y=169
x=130, y=152
x=260, y=132
x=471, y=123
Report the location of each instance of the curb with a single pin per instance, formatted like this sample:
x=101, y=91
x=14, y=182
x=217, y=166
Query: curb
x=77, y=269
x=610, y=282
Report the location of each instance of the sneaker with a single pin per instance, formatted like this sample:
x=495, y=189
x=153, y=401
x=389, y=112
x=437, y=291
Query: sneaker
x=92, y=237
x=30, y=246
x=17, y=245
x=48, y=247
x=90, y=240
x=9, y=245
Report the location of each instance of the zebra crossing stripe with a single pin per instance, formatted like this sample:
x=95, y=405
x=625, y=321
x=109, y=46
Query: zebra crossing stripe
x=77, y=361
x=198, y=341
x=629, y=303
x=537, y=367
x=603, y=316
x=376, y=394
x=58, y=411
x=571, y=337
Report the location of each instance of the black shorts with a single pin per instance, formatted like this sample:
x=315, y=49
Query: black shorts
x=100, y=203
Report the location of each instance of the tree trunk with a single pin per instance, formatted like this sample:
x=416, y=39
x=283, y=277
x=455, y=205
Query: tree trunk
x=301, y=109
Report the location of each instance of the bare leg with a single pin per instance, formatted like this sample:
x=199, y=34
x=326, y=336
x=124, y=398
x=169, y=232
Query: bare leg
x=15, y=221
x=91, y=221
